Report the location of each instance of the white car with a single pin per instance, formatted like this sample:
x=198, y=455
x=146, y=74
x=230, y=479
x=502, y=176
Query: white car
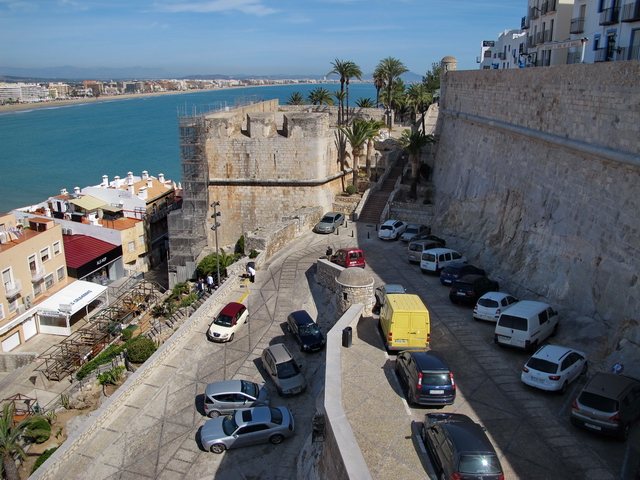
x=491, y=305
x=391, y=230
x=227, y=322
x=553, y=368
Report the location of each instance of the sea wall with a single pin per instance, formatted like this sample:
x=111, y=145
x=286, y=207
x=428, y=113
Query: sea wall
x=537, y=178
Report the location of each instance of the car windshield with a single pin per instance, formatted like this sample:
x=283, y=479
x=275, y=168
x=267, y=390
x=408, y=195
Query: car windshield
x=223, y=320
x=308, y=329
x=450, y=270
x=250, y=389
x=479, y=464
x=463, y=287
x=436, y=378
x=276, y=416
x=598, y=402
x=327, y=219
x=229, y=424
x=542, y=365
x=488, y=303
x=428, y=257
x=516, y=323
x=287, y=370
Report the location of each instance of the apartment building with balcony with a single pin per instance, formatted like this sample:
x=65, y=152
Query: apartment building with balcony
x=610, y=28
x=547, y=25
x=504, y=53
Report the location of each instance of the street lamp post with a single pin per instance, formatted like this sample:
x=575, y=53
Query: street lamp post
x=377, y=155
x=214, y=227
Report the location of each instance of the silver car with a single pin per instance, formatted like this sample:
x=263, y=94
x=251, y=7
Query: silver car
x=283, y=369
x=251, y=426
x=414, y=230
x=229, y=395
x=329, y=222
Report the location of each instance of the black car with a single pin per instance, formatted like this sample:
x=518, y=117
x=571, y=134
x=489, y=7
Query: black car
x=470, y=288
x=455, y=271
x=306, y=331
x=460, y=448
x=427, y=376
x=433, y=238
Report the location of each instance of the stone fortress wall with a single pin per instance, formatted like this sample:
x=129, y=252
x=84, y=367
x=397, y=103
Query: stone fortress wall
x=537, y=175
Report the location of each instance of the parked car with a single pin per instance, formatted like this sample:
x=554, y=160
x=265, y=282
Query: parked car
x=329, y=222
x=413, y=230
x=491, y=305
x=391, y=230
x=349, y=257
x=460, y=448
x=306, y=331
x=221, y=398
x=470, y=288
x=250, y=426
x=456, y=271
x=553, y=368
x=283, y=369
x=433, y=238
x=427, y=376
x=436, y=259
x=525, y=325
x=381, y=294
x=608, y=404
x=416, y=247
x=228, y=322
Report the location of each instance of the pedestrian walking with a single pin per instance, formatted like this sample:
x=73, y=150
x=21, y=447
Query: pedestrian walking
x=209, y=283
x=200, y=286
x=329, y=252
x=252, y=273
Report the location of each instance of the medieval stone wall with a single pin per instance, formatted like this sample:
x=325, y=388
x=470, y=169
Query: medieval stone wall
x=538, y=180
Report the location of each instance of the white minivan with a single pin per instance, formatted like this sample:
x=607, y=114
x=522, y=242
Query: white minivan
x=526, y=324
x=436, y=259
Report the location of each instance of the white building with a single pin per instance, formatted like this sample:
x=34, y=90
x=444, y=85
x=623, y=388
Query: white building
x=23, y=92
x=548, y=39
x=505, y=53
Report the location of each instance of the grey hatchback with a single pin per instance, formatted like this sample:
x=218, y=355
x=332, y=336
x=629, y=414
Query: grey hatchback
x=608, y=404
x=229, y=395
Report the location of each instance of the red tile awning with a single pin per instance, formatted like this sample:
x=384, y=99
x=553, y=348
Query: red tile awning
x=85, y=254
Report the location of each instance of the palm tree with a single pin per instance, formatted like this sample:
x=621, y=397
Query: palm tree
x=398, y=102
x=378, y=81
x=296, y=98
x=365, y=103
x=375, y=126
x=352, y=71
x=339, y=68
x=390, y=69
x=340, y=141
x=340, y=96
x=11, y=435
x=419, y=99
x=357, y=135
x=413, y=143
x=346, y=70
x=320, y=96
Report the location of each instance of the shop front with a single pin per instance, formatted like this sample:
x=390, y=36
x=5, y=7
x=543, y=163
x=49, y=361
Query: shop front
x=93, y=260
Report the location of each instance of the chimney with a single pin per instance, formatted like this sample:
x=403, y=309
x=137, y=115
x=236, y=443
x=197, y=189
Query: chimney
x=105, y=181
x=142, y=193
x=145, y=174
x=161, y=177
x=149, y=183
x=76, y=190
x=116, y=181
x=130, y=178
x=63, y=191
x=132, y=190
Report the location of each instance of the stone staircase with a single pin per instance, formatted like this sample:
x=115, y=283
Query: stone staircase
x=377, y=201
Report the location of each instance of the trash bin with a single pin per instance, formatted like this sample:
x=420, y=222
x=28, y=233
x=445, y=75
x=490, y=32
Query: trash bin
x=354, y=217
x=347, y=337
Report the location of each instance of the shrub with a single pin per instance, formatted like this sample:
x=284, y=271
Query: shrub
x=253, y=254
x=43, y=458
x=127, y=333
x=351, y=189
x=140, y=351
x=51, y=417
x=239, y=246
x=188, y=300
x=43, y=429
x=111, y=377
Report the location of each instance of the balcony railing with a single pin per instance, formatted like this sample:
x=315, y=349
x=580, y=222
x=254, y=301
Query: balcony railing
x=547, y=36
x=548, y=6
x=531, y=42
x=613, y=54
x=539, y=38
x=524, y=23
x=534, y=12
x=631, y=12
x=501, y=55
x=573, y=57
x=577, y=25
x=609, y=16
x=11, y=289
x=38, y=273
x=634, y=53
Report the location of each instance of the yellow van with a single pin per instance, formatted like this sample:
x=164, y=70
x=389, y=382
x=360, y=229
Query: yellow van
x=405, y=323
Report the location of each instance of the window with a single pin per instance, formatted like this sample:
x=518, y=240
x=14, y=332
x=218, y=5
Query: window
x=56, y=249
x=44, y=254
x=48, y=281
x=1, y=311
x=596, y=42
x=33, y=265
x=7, y=279
x=13, y=304
x=37, y=288
x=132, y=247
x=543, y=316
x=141, y=240
x=61, y=273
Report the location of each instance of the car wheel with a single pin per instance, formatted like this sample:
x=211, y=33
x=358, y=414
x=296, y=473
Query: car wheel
x=563, y=389
x=585, y=367
x=624, y=435
x=288, y=328
x=555, y=330
x=276, y=439
x=218, y=448
x=231, y=337
x=214, y=414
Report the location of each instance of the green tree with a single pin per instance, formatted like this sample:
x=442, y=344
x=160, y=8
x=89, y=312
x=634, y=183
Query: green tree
x=340, y=141
x=340, y=96
x=347, y=70
x=357, y=135
x=375, y=126
x=365, y=103
x=209, y=264
x=419, y=99
x=399, y=101
x=320, y=96
x=389, y=69
x=11, y=435
x=378, y=82
x=431, y=80
x=413, y=143
x=296, y=98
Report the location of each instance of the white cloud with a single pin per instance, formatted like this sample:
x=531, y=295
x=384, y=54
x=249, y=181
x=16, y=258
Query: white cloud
x=250, y=7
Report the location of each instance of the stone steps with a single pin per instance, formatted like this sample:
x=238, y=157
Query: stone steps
x=377, y=201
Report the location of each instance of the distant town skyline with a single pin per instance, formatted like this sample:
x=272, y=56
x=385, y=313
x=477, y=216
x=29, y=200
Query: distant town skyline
x=248, y=37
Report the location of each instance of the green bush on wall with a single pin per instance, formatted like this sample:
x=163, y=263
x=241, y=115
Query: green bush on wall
x=351, y=189
x=239, y=246
x=43, y=429
x=43, y=458
x=140, y=351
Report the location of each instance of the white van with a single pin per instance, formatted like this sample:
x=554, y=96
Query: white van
x=436, y=259
x=526, y=324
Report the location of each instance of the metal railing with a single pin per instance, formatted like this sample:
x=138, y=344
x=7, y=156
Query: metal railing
x=631, y=12
x=577, y=25
x=12, y=288
x=573, y=57
x=609, y=16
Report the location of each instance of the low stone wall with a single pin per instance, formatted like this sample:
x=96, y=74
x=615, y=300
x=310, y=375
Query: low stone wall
x=326, y=273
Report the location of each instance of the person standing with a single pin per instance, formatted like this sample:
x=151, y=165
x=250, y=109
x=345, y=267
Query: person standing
x=200, y=288
x=209, y=283
x=252, y=273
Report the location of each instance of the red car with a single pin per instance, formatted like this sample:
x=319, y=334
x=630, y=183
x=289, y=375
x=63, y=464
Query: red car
x=349, y=257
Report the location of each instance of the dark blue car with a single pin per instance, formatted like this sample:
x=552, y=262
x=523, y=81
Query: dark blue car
x=455, y=271
x=306, y=331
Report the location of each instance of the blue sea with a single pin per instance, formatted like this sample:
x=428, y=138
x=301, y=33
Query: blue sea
x=46, y=149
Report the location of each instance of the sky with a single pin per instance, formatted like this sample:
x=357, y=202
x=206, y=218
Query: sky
x=252, y=37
